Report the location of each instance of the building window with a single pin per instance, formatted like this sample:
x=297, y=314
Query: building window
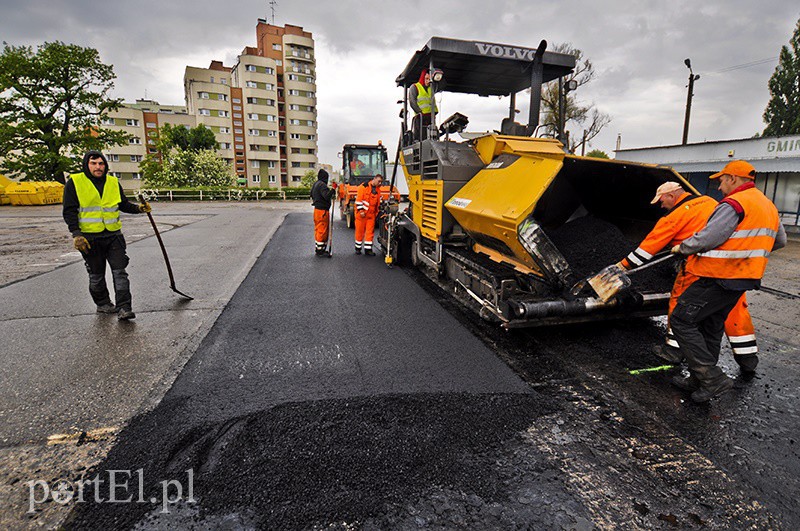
x=237, y=115
x=270, y=133
x=279, y=62
x=131, y=122
x=237, y=107
x=293, y=92
x=136, y=140
x=276, y=46
x=251, y=84
x=270, y=86
x=250, y=68
x=107, y=121
x=294, y=122
x=309, y=79
x=112, y=158
x=237, y=131
x=253, y=132
x=152, y=125
x=236, y=100
x=114, y=173
x=270, y=118
x=223, y=97
x=225, y=130
x=295, y=164
x=224, y=145
x=270, y=164
x=204, y=112
x=270, y=70
x=292, y=77
x=152, y=150
x=252, y=116
x=136, y=158
x=294, y=136
x=293, y=107
x=272, y=178
x=311, y=137
x=223, y=114
x=256, y=178
x=255, y=164
x=136, y=175
x=204, y=95
x=271, y=102
x=296, y=178
x=310, y=123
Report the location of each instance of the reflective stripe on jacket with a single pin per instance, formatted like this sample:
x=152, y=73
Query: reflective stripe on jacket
x=424, y=99
x=95, y=213
x=688, y=216
x=367, y=201
x=746, y=253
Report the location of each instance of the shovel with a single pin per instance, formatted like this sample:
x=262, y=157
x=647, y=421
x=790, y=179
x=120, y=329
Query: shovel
x=613, y=279
x=164, y=252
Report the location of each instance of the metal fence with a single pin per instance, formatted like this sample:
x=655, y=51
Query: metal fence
x=222, y=195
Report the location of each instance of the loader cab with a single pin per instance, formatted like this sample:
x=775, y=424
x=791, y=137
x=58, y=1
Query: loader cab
x=360, y=163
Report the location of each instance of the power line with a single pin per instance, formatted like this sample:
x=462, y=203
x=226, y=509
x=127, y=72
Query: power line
x=744, y=65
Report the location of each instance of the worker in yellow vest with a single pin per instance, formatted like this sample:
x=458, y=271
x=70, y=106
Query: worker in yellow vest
x=92, y=203
x=423, y=104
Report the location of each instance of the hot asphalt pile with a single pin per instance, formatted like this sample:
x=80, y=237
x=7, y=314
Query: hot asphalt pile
x=336, y=391
x=589, y=244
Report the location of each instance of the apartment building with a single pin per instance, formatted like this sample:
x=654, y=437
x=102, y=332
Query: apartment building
x=262, y=109
x=142, y=120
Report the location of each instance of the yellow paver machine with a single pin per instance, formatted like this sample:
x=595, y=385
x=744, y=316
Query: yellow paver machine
x=508, y=222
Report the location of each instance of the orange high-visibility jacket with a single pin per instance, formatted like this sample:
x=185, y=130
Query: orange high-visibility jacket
x=688, y=216
x=746, y=253
x=368, y=201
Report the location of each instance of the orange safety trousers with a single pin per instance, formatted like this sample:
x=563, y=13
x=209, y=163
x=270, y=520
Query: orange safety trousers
x=365, y=230
x=738, y=326
x=321, y=228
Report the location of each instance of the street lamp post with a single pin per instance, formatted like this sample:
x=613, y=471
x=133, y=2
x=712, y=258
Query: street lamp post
x=564, y=88
x=692, y=78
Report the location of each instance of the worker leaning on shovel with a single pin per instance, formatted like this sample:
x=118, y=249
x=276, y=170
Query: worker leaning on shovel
x=92, y=203
x=687, y=214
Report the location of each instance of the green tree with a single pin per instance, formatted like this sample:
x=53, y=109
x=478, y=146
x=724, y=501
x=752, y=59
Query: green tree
x=51, y=102
x=309, y=177
x=598, y=154
x=186, y=158
x=579, y=116
x=782, y=114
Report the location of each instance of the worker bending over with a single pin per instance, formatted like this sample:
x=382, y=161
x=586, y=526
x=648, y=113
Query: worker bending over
x=728, y=257
x=368, y=200
x=687, y=214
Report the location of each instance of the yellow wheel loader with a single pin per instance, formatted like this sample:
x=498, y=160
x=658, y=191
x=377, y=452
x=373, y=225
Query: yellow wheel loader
x=508, y=222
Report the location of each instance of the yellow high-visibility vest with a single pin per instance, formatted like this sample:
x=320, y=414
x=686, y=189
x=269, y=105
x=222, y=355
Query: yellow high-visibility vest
x=96, y=213
x=424, y=99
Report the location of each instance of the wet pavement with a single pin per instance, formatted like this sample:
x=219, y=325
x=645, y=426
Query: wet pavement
x=390, y=406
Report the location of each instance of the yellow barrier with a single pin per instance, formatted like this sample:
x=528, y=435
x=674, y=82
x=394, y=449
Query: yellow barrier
x=35, y=193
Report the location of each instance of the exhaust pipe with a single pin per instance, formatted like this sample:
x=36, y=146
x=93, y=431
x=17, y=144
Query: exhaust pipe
x=537, y=75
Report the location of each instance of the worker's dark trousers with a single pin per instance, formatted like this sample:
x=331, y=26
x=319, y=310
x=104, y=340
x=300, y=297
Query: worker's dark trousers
x=698, y=323
x=109, y=249
x=419, y=126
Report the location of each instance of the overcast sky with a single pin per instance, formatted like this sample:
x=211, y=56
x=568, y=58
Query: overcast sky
x=637, y=49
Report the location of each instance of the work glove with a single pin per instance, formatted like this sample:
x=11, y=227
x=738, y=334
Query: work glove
x=676, y=250
x=145, y=207
x=81, y=244
x=621, y=266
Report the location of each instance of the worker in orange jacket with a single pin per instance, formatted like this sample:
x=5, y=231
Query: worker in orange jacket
x=687, y=214
x=368, y=199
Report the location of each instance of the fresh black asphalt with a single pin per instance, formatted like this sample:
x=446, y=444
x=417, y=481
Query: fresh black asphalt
x=331, y=391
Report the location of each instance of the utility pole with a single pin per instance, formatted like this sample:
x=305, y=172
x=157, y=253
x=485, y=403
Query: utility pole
x=692, y=78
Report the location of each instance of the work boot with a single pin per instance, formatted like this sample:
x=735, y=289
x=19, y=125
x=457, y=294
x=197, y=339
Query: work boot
x=747, y=363
x=107, y=308
x=358, y=251
x=689, y=383
x=668, y=353
x=325, y=253
x=708, y=391
x=369, y=252
x=125, y=314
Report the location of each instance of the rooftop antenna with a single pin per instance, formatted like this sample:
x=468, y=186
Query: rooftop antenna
x=272, y=4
